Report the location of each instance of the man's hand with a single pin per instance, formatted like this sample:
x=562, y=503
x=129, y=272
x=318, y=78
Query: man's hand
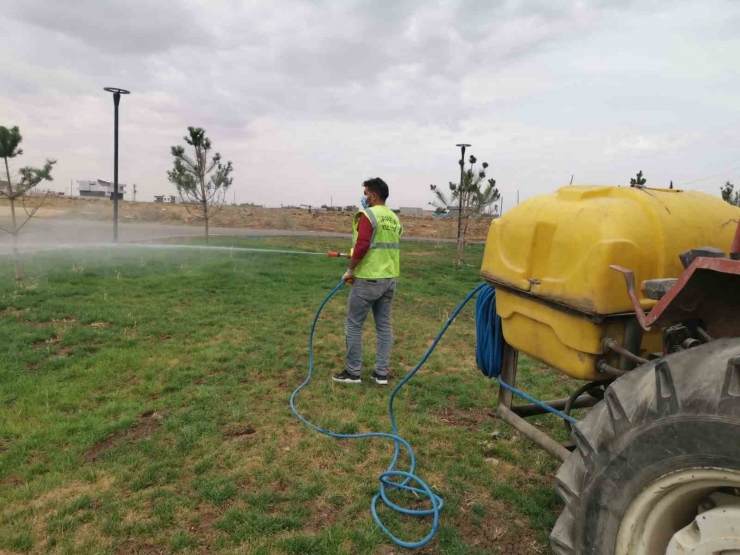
x=349, y=277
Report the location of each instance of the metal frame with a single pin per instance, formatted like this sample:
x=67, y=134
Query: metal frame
x=707, y=289
x=513, y=414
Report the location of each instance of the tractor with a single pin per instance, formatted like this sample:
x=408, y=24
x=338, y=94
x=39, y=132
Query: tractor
x=635, y=293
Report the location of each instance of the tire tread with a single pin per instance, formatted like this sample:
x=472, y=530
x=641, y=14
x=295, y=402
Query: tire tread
x=645, y=395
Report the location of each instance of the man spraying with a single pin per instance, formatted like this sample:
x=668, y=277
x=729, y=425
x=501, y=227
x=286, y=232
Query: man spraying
x=373, y=269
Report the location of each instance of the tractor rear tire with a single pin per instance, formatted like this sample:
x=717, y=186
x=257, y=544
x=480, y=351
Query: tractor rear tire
x=680, y=412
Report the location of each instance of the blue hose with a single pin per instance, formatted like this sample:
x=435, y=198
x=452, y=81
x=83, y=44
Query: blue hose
x=387, y=476
x=489, y=356
x=489, y=349
x=489, y=337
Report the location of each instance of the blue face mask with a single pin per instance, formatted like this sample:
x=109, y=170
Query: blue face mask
x=363, y=201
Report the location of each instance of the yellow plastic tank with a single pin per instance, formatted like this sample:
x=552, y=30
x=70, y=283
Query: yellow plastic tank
x=549, y=259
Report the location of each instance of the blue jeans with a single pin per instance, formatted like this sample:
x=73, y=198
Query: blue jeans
x=366, y=295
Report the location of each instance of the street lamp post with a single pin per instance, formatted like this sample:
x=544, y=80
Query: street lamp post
x=459, y=190
x=116, y=100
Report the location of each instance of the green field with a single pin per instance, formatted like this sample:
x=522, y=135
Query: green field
x=144, y=409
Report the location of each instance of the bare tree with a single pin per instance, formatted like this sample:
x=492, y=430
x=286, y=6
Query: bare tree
x=201, y=183
x=10, y=140
x=472, y=198
x=729, y=194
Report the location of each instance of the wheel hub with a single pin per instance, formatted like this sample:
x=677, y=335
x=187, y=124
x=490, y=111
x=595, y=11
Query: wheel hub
x=682, y=513
x=715, y=530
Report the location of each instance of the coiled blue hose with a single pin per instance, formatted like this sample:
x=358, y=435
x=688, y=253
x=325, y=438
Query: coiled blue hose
x=489, y=356
x=489, y=337
x=489, y=348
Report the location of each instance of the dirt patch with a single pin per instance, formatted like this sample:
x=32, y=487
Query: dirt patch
x=287, y=380
x=495, y=534
x=10, y=311
x=239, y=431
x=146, y=425
x=11, y=480
x=201, y=523
x=62, y=352
x=58, y=353
x=323, y=515
x=46, y=343
x=468, y=419
x=59, y=324
x=204, y=379
x=40, y=213
x=63, y=321
x=132, y=381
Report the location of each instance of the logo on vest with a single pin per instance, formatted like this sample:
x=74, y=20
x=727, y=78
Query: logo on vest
x=388, y=223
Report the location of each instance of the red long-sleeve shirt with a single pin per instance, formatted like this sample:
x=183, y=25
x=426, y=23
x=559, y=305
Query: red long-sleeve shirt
x=364, y=236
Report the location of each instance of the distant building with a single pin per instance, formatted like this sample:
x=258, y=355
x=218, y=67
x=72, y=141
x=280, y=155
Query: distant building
x=171, y=199
x=99, y=188
x=406, y=211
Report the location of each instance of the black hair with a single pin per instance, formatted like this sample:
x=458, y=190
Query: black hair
x=377, y=186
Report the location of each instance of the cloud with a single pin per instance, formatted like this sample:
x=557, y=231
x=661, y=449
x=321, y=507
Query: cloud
x=310, y=97
x=134, y=27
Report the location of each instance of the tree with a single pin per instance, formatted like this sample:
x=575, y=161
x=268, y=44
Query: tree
x=638, y=181
x=729, y=194
x=472, y=195
x=201, y=184
x=10, y=140
x=493, y=211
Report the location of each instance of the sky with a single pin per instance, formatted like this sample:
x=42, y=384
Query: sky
x=310, y=98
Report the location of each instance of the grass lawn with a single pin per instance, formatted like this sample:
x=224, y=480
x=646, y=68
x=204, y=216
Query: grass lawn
x=144, y=409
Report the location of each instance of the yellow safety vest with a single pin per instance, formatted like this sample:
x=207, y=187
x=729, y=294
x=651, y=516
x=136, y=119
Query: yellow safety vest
x=383, y=259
